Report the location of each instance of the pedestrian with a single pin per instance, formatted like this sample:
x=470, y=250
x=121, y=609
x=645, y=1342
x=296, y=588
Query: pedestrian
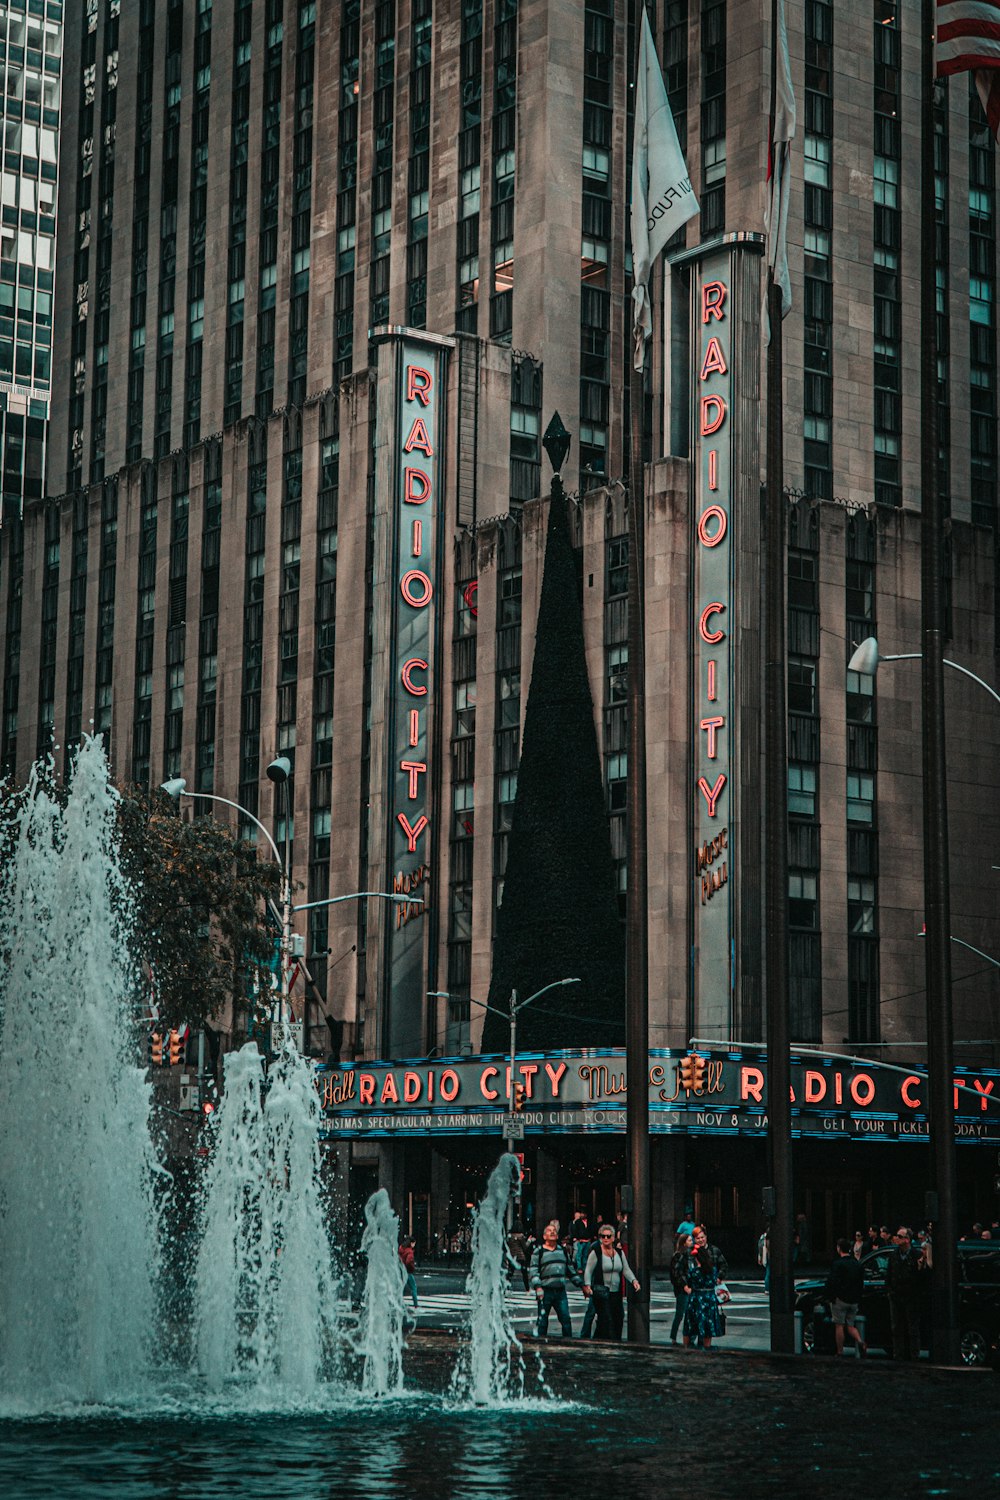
x=764, y=1255
x=683, y=1246
x=581, y=1236
x=551, y=1269
x=407, y=1256
x=858, y=1248
x=718, y=1259
x=603, y=1282
x=590, y=1310
x=520, y=1255
x=844, y=1286
x=701, y=1316
x=621, y=1238
x=686, y=1226
x=903, y=1271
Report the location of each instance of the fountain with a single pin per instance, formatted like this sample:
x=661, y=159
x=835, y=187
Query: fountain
x=381, y=1340
x=491, y=1370
x=264, y=1300
x=85, y=1317
x=78, y=1240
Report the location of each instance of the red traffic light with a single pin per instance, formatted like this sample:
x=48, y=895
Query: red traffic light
x=207, y=1108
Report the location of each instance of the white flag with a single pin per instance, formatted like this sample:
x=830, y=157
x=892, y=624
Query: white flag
x=779, y=170
x=662, y=196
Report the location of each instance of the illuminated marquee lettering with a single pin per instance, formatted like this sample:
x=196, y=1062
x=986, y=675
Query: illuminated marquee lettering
x=406, y=676
x=713, y=515
x=713, y=632
x=711, y=637
x=713, y=413
x=416, y=588
x=714, y=361
x=712, y=794
x=413, y=769
x=416, y=487
x=418, y=438
x=418, y=384
x=412, y=833
x=415, y=533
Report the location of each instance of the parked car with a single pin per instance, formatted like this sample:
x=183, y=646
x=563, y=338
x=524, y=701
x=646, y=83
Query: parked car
x=978, y=1303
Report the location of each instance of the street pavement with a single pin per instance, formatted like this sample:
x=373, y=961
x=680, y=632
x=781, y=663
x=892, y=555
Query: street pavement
x=444, y=1304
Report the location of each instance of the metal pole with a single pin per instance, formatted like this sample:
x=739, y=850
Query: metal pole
x=510, y=1098
x=937, y=897
x=779, y=1113
x=286, y=908
x=636, y=937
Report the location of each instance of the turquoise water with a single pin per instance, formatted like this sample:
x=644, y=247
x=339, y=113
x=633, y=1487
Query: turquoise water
x=404, y=1449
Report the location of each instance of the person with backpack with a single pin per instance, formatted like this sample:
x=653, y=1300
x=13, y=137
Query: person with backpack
x=604, y=1281
x=551, y=1269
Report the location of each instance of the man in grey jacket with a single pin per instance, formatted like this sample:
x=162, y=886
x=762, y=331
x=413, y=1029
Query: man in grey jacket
x=551, y=1269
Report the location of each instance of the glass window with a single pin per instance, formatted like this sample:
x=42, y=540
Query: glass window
x=860, y=797
x=801, y=789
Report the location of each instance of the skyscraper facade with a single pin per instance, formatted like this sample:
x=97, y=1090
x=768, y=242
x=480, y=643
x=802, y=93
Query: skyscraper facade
x=290, y=230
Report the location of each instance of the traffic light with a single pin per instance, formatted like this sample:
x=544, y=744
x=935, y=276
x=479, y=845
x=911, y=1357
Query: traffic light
x=176, y=1048
x=692, y=1072
x=207, y=1109
x=156, y=1049
x=520, y=1094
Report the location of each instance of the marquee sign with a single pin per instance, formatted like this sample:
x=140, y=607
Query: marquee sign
x=416, y=472
x=713, y=629
x=584, y=1093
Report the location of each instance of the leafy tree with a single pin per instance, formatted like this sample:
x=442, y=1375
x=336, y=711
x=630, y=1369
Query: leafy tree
x=201, y=934
x=559, y=917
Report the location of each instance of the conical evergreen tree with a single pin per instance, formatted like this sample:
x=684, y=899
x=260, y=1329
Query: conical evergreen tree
x=559, y=916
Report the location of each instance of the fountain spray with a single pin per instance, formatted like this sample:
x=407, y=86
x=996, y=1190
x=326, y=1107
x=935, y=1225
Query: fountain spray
x=492, y=1369
x=78, y=1237
x=382, y=1304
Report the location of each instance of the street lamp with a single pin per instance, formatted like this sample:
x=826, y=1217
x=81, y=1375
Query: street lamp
x=515, y=1006
x=866, y=659
x=937, y=906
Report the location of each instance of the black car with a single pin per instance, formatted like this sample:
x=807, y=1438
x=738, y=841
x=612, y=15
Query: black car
x=979, y=1305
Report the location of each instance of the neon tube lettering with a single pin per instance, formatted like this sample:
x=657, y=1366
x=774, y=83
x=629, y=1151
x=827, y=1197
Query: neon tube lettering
x=712, y=794
x=713, y=296
x=418, y=384
x=713, y=414
x=415, y=663
x=417, y=487
x=410, y=583
x=711, y=727
x=414, y=767
x=711, y=637
x=412, y=834
x=714, y=361
x=418, y=438
x=713, y=513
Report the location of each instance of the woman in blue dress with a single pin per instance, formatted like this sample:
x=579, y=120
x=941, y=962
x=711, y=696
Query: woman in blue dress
x=701, y=1316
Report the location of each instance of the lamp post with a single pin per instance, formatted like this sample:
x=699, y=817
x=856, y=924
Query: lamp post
x=937, y=917
x=515, y=1006
x=279, y=772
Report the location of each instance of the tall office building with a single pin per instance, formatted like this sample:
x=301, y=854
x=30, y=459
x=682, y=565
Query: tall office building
x=326, y=270
x=31, y=49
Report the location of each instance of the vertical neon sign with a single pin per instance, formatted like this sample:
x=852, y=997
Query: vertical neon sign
x=416, y=531
x=713, y=627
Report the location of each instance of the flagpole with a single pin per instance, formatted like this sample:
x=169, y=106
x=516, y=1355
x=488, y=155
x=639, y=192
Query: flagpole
x=636, y=909
x=937, y=900
x=779, y=1115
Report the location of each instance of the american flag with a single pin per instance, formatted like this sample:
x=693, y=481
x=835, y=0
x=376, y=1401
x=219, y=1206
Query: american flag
x=968, y=41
